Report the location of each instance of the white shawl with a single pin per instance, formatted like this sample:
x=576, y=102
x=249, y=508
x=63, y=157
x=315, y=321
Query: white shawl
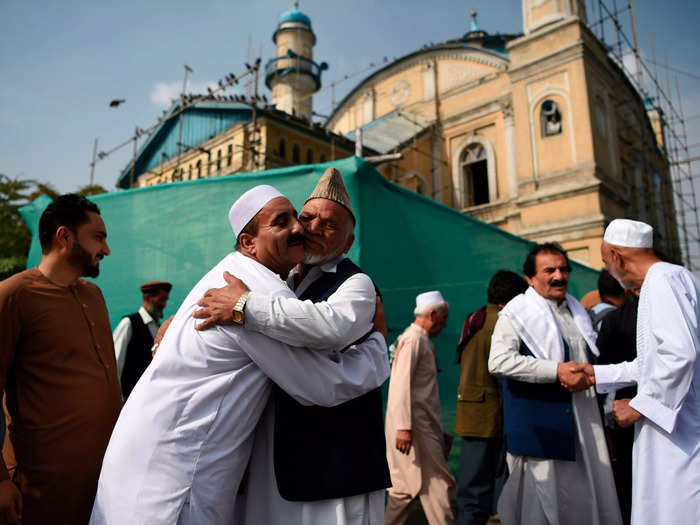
x=533, y=320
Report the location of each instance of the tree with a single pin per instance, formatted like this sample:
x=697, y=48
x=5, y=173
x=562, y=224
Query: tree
x=14, y=235
x=91, y=189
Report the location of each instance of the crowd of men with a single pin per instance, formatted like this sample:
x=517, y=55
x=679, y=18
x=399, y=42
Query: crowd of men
x=262, y=403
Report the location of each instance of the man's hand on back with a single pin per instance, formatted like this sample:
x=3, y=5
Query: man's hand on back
x=10, y=503
x=217, y=303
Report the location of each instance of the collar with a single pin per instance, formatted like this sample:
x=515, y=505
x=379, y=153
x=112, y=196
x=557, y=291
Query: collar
x=315, y=271
x=146, y=317
x=422, y=330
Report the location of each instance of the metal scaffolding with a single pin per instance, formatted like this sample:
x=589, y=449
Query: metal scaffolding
x=614, y=25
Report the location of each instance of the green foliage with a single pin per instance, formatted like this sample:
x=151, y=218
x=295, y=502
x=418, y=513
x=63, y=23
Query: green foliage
x=91, y=189
x=14, y=235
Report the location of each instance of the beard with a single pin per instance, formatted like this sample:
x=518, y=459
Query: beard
x=616, y=276
x=155, y=311
x=314, y=259
x=80, y=258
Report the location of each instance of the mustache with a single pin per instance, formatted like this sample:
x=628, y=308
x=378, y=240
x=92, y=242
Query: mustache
x=561, y=282
x=296, y=238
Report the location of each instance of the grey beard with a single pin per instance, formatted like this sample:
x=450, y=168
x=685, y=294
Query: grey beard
x=313, y=259
x=153, y=311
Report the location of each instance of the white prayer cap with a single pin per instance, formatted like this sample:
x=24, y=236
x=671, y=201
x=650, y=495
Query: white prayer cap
x=249, y=204
x=629, y=233
x=428, y=298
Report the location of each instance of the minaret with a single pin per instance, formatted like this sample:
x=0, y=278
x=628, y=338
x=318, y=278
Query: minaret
x=293, y=76
x=538, y=13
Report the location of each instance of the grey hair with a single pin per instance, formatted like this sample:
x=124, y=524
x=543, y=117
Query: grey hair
x=422, y=311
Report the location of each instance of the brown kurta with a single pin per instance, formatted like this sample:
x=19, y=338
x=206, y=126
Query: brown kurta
x=58, y=369
x=414, y=404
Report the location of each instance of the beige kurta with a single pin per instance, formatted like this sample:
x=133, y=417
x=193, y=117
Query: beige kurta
x=414, y=404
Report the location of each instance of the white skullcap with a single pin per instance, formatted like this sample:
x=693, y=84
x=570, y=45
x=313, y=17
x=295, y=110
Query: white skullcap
x=428, y=298
x=249, y=204
x=629, y=233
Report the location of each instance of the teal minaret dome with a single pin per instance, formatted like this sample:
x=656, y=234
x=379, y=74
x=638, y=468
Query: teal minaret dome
x=292, y=75
x=294, y=15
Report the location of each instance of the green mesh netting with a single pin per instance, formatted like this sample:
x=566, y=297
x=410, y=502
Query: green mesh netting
x=407, y=243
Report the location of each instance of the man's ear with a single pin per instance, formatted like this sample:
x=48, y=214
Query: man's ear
x=348, y=243
x=63, y=238
x=529, y=280
x=247, y=242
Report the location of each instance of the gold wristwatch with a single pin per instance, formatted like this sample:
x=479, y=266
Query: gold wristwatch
x=238, y=311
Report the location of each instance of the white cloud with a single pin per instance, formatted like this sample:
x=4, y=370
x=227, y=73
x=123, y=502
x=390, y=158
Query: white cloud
x=164, y=93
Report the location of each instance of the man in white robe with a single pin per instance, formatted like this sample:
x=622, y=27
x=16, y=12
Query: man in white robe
x=666, y=409
x=184, y=437
x=560, y=471
x=333, y=323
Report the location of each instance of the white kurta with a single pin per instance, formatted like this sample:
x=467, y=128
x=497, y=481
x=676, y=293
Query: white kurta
x=183, y=440
x=666, y=453
x=122, y=336
x=334, y=323
x=546, y=491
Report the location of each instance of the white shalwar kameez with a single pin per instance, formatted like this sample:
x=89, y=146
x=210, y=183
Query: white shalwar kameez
x=547, y=491
x=183, y=440
x=666, y=452
x=331, y=324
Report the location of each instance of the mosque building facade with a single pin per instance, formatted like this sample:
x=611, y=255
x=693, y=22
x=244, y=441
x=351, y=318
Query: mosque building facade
x=541, y=134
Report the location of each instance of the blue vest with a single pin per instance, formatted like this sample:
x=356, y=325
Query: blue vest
x=329, y=452
x=538, y=418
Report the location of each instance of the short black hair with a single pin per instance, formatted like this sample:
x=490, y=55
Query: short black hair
x=69, y=210
x=505, y=285
x=608, y=285
x=546, y=247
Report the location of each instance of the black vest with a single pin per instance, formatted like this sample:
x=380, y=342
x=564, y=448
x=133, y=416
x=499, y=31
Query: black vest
x=335, y=452
x=138, y=354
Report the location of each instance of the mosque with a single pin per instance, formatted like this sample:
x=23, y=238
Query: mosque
x=541, y=134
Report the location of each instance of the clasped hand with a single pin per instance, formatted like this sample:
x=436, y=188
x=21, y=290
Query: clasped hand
x=575, y=376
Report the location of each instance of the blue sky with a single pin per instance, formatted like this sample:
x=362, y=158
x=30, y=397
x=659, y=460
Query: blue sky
x=63, y=61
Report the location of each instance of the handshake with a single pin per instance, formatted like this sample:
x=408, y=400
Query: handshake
x=575, y=376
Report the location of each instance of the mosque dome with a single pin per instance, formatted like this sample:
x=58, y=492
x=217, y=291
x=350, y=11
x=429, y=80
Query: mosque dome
x=294, y=15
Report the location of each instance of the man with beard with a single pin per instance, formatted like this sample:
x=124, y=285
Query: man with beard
x=559, y=465
x=312, y=464
x=58, y=370
x=133, y=336
x=180, y=448
x=666, y=408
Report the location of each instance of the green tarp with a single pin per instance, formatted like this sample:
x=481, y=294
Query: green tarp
x=407, y=243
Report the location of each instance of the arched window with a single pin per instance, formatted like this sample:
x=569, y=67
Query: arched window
x=309, y=156
x=550, y=117
x=218, y=160
x=475, y=172
x=322, y=158
x=199, y=169
x=229, y=154
x=283, y=148
x=189, y=172
x=296, y=154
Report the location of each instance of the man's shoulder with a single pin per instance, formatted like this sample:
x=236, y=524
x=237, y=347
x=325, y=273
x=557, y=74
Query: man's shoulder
x=17, y=283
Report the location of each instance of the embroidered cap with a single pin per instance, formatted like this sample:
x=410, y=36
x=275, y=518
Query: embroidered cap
x=249, y=204
x=629, y=233
x=331, y=187
x=428, y=298
x=155, y=286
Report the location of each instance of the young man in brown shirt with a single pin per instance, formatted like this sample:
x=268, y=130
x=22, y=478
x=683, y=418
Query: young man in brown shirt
x=58, y=371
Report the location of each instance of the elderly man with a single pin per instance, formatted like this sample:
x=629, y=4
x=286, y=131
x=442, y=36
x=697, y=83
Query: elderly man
x=666, y=409
x=417, y=448
x=58, y=371
x=133, y=336
x=314, y=464
x=183, y=440
x=559, y=466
